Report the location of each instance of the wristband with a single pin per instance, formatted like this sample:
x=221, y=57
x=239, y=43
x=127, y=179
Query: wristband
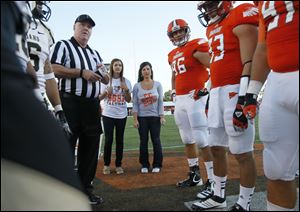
x=49, y=76
x=254, y=87
x=58, y=108
x=81, y=72
x=244, y=85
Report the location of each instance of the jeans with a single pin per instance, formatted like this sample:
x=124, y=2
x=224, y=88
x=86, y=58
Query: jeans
x=152, y=125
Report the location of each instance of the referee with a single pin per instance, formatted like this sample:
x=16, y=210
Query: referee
x=80, y=71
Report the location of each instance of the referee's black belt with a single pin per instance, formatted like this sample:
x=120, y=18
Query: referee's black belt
x=66, y=95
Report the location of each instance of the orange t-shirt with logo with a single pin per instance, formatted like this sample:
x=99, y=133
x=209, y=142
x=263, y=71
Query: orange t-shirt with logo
x=280, y=31
x=189, y=72
x=226, y=65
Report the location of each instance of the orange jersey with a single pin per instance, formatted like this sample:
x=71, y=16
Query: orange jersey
x=280, y=20
x=189, y=72
x=226, y=65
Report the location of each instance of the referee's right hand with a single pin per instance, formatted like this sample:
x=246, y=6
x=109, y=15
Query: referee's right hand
x=90, y=76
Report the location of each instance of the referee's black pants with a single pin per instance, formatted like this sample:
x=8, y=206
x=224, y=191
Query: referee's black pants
x=84, y=120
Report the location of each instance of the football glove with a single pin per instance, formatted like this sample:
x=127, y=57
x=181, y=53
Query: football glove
x=61, y=118
x=250, y=105
x=240, y=122
x=198, y=93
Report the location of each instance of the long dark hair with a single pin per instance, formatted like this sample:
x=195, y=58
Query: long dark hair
x=140, y=77
x=111, y=69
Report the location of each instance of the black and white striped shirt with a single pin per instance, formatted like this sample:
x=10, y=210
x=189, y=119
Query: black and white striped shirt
x=70, y=54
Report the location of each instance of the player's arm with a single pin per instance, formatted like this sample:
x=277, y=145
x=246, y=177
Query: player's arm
x=260, y=68
x=30, y=70
x=51, y=85
x=53, y=95
x=259, y=73
x=247, y=35
x=202, y=57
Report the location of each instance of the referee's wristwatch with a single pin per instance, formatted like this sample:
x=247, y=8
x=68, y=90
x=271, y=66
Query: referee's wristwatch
x=81, y=72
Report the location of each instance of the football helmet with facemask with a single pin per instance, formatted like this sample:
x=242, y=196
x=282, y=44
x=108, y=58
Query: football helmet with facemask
x=213, y=11
x=179, y=32
x=40, y=10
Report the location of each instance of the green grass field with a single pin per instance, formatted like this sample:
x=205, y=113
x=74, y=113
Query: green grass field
x=170, y=137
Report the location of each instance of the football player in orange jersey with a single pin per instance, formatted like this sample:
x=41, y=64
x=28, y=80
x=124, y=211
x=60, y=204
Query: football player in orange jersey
x=189, y=62
x=278, y=50
x=232, y=37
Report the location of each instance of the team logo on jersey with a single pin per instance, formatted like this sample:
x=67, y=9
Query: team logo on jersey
x=250, y=12
x=232, y=94
x=178, y=54
x=215, y=31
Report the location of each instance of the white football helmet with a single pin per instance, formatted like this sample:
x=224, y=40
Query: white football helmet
x=40, y=10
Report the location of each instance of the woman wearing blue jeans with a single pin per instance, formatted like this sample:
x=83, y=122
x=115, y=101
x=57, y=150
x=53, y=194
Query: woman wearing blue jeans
x=148, y=114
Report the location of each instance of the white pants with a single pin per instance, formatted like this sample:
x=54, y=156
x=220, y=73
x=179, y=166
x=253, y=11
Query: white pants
x=222, y=103
x=279, y=125
x=191, y=120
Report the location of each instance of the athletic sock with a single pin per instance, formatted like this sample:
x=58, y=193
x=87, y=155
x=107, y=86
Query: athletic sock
x=209, y=170
x=245, y=197
x=219, y=186
x=193, y=162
